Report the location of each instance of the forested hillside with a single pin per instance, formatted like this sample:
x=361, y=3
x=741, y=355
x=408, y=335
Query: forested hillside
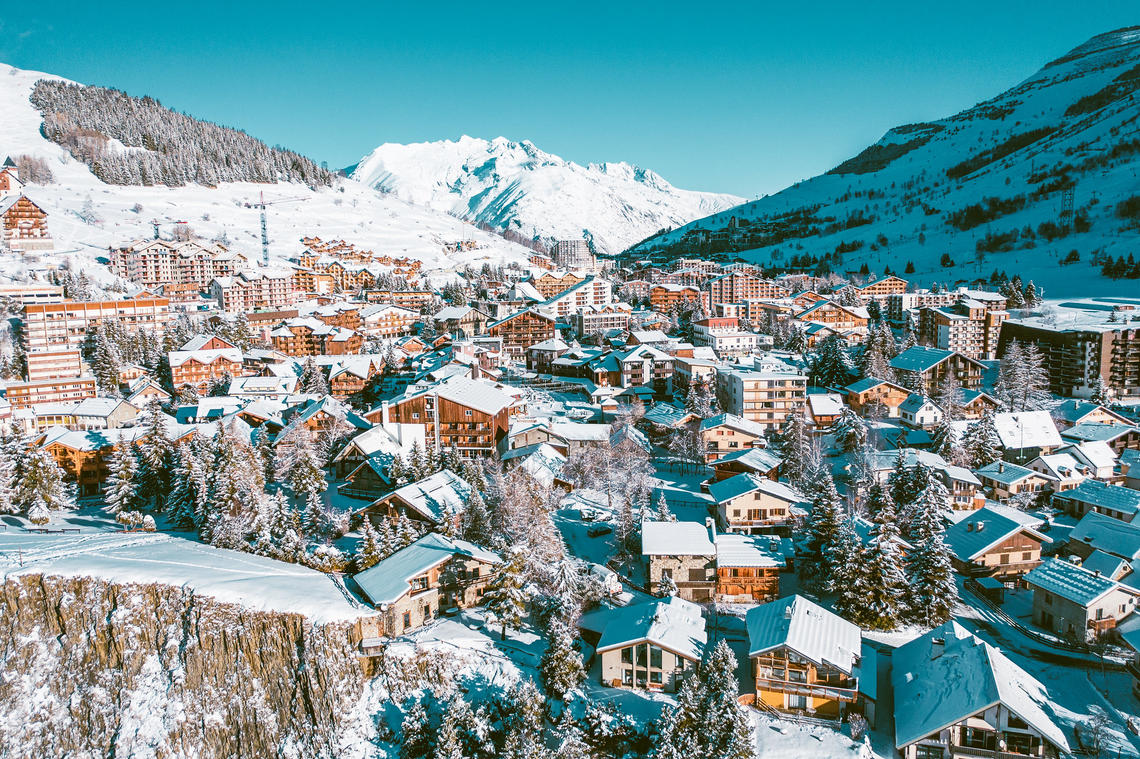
x=137, y=141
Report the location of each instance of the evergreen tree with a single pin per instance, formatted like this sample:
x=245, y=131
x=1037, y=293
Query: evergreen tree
x=843, y=559
x=405, y=531
x=264, y=449
x=312, y=379
x=934, y=593
x=122, y=483
x=449, y=743
x=416, y=741
x=505, y=597
x=829, y=365
x=882, y=584
x=851, y=432
x=154, y=449
x=949, y=397
x=306, y=477
x=40, y=487
x=663, y=512
x=728, y=733
x=561, y=667
x=944, y=442
x=823, y=531
x=315, y=520
x=475, y=522
x=369, y=552
x=796, y=447
x=571, y=744
x=981, y=445
x=1102, y=393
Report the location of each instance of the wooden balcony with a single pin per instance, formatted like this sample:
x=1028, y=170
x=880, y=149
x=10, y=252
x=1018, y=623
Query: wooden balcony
x=814, y=690
x=1047, y=752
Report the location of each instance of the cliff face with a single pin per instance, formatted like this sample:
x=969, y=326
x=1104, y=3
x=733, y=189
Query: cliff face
x=95, y=669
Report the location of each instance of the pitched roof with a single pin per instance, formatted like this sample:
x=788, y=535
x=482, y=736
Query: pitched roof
x=919, y=358
x=1008, y=473
x=673, y=624
x=735, y=422
x=758, y=459
x=675, y=539
x=1027, y=429
x=1076, y=584
x=390, y=579
x=736, y=550
x=983, y=529
x=1104, y=533
x=806, y=628
x=738, y=485
x=948, y=675
x=1103, y=431
x=433, y=495
x=1105, y=496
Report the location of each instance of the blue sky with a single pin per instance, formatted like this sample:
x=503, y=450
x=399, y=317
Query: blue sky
x=732, y=97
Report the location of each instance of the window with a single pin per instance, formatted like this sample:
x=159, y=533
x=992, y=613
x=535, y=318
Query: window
x=655, y=657
x=415, y=415
x=467, y=412
x=407, y=619
x=1026, y=555
x=655, y=677
x=1015, y=722
x=1004, y=558
x=641, y=655
x=627, y=656
x=666, y=574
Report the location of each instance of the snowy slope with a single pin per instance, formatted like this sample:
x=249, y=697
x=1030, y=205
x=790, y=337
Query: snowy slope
x=349, y=210
x=902, y=183
x=514, y=185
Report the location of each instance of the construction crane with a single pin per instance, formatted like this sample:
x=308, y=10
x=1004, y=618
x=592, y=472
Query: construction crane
x=264, y=229
x=155, y=222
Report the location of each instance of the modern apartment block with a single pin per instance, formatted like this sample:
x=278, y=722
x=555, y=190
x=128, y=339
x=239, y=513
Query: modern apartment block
x=573, y=254
x=152, y=263
x=249, y=291
x=54, y=364
x=766, y=397
x=51, y=326
x=971, y=327
x=1077, y=356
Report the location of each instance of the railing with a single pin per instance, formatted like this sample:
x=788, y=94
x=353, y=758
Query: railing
x=1046, y=753
x=808, y=689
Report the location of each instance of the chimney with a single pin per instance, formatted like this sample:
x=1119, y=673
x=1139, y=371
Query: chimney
x=384, y=413
x=710, y=523
x=937, y=647
x=1001, y=466
x=980, y=526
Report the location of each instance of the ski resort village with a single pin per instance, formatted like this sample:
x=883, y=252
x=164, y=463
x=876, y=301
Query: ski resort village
x=294, y=464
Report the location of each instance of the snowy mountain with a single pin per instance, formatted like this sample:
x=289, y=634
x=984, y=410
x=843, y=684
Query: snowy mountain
x=985, y=186
x=85, y=215
x=514, y=185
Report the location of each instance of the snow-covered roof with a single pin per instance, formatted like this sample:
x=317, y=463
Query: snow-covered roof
x=825, y=404
x=919, y=358
x=1105, y=496
x=807, y=628
x=949, y=675
x=984, y=529
x=869, y=383
x=735, y=422
x=667, y=415
x=1027, y=429
x=1097, y=431
x=736, y=550
x=738, y=485
x=1104, y=533
x=758, y=459
x=1010, y=474
x=673, y=624
x=390, y=579
x=579, y=431
x=675, y=539
x=178, y=358
x=914, y=403
x=1076, y=584
x=433, y=495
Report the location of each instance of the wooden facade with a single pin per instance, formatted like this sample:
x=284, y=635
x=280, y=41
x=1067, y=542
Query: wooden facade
x=788, y=682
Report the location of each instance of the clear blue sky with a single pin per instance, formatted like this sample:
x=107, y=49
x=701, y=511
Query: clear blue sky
x=733, y=97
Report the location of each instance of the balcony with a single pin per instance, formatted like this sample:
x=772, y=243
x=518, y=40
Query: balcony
x=814, y=690
x=1047, y=752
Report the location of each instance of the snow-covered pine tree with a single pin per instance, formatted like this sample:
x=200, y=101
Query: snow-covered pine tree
x=664, y=514
x=154, y=448
x=933, y=591
x=475, y=522
x=823, y=530
x=1101, y=393
x=850, y=431
x=312, y=379
x=981, y=444
x=11, y=452
x=40, y=485
x=728, y=731
x=305, y=475
x=796, y=447
x=37, y=511
x=122, y=486
x=944, y=442
x=561, y=667
x=948, y=396
x=406, y=532
x=843, y=559
x=505, y=596
x=882, y=584
x=315, y=520
x=829, y=365
x=264, y=448
x=571, y=744
x=416, y=734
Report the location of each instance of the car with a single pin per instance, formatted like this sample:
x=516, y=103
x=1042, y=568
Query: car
x=598, y=530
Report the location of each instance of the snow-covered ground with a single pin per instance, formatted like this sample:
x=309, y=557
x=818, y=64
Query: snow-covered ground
x=350, y=210
x=102, y=551
x=514, y=185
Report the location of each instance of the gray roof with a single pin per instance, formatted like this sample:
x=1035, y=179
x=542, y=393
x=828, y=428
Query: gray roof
x=806, y=628
x=388, y=580
x=1097, y=431
x=673, y=624
x=1105, y=564
x=948, y=675
x=675, y=539
x=1076, y=584
x=1103, y=495
x=982, y=530
x=738, y=485
x=919, y=358
x=430, y=495
x=1008, y=473
x=1108, y=534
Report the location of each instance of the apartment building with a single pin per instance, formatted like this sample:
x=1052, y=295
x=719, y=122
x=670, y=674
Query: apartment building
x=152, y=263
x=664, y=297
x=26, y=394
x=26, y=294
x=970, y=327
x=723, y=334
x=883, y=288
x=766, y=397
x=54, y=364
x=573, y=254
x=594, y=319
x=553, y=283
x=51, y=326
x=251, y=291
x=591, y=291
x=738, y=287
x=1078, y=356
x=522, y=330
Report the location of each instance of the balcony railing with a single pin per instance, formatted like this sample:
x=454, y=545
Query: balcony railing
x=1046, y=752
x=814, y=690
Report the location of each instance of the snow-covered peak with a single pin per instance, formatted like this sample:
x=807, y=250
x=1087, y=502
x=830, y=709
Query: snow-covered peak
x=514, y=184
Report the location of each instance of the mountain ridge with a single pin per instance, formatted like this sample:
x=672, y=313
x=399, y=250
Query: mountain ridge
x=513, y=184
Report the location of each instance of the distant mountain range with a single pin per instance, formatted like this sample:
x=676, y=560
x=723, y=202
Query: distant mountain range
x=514, y=185
x=982, y=190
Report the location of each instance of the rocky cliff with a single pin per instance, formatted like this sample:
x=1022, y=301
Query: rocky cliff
x=90, y=668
